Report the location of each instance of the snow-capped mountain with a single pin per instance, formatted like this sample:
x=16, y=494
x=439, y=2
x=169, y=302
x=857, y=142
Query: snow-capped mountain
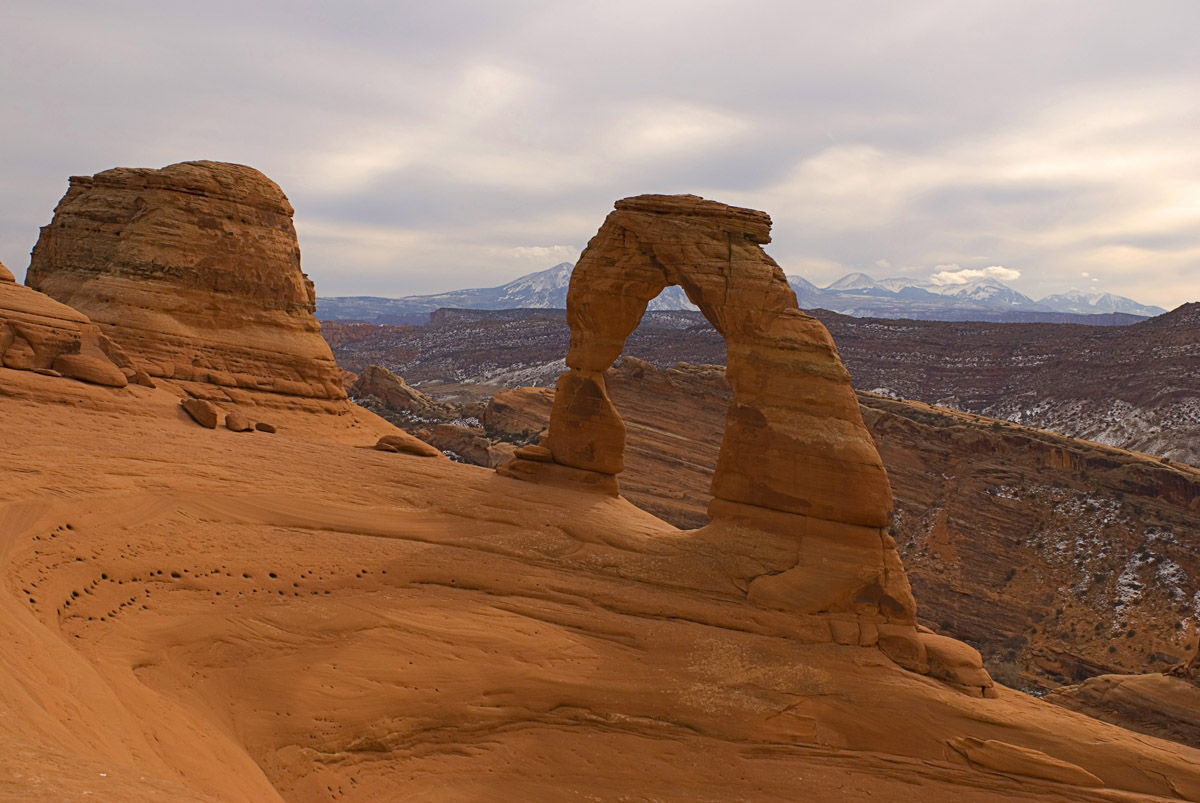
x=1090, y=303
x=855, y=294
x=544, y=289
x=984, y=298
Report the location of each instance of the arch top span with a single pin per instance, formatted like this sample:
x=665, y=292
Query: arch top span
x=794, y=438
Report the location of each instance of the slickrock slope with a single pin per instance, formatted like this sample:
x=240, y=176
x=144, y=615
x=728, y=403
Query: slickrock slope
x=1164, y=704
x=195, y=271
x=1045, y=552
x=1133, y=387
x=194, y=614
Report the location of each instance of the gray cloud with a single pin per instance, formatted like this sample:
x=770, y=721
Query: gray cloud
x=430, y=146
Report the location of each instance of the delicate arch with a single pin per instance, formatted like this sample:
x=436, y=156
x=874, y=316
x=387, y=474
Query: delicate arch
x=798, y=483
x=794, y=438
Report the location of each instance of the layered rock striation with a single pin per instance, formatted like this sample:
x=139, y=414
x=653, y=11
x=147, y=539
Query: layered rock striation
x=194, y=270
x=1162, y=704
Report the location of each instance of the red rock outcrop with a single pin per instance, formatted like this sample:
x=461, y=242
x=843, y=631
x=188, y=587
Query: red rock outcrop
x=469, y=445
x=194, y=270
x=39, y=334
x=394, y=393
x=1158, y=704
x=518, y=414
x=407, y=444
x=202, y=412
x=801, y=501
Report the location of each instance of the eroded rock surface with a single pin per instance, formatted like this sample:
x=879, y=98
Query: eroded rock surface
x=194, y=270
x=393, y=393
x=39, y=334
x=800, y=499
x=1163, y=704
x=1059, y=559
x=190, y=615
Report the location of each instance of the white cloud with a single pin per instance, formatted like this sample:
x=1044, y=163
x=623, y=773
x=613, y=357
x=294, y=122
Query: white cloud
x=544, y=255
x=952, y=274
x=433, y=140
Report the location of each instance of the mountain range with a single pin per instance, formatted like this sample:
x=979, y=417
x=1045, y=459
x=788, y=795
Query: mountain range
x=856, y=294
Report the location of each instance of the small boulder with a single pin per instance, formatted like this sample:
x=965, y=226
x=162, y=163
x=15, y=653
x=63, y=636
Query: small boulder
x=87, y=368
x=263, y=426
x=142, y=378
x=407, y=444
x=236, y=421
x=957, y=663
x=203, y=413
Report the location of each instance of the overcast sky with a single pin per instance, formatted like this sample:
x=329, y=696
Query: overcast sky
x=429, y=146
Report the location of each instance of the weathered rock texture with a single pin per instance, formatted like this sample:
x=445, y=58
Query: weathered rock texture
x=468, y=445
x=801, y=501
x=39, y=334
x=519, y=414
x=194, y=270
x=1058, y=558
x=394, y=393
x=1157, y=704
x=407, y=444
x=190, y=615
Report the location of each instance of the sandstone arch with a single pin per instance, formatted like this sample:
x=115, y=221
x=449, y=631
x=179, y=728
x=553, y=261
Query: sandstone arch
x=800, y=498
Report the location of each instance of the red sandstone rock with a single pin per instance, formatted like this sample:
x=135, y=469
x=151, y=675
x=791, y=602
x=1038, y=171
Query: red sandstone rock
x=407, y=444
x=470, y=444
x=520, y=412
x=236, y=421
x=6, y=274
x=536, y=453
x=800, y=496
x=1166, y=705
x=38, y=333
x=263, y=426
x=393, y=392
x=90, y=368
x=195, y=271
x=1015, y=760
x=970, y=492
x=202, y=412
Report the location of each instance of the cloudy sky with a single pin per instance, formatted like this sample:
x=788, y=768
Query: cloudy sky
x=431, y=146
